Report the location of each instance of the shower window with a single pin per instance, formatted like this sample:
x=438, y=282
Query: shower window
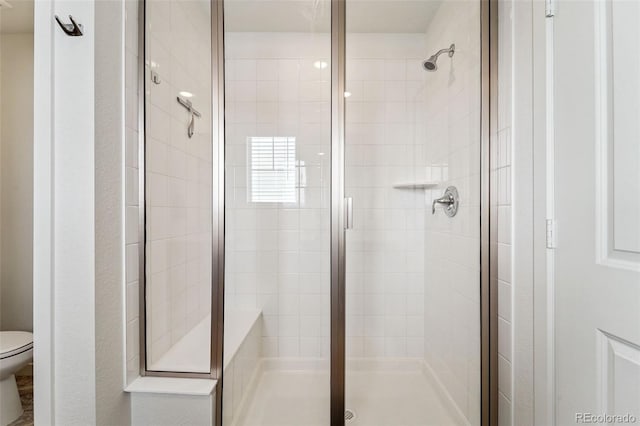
x=273, y=172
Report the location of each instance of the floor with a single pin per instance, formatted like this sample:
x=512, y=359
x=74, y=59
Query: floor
x=25, y=388
x=378, y=399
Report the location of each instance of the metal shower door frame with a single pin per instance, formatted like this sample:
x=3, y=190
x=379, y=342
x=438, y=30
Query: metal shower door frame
x=217, y=206
x=488, y=214
x=338, y=237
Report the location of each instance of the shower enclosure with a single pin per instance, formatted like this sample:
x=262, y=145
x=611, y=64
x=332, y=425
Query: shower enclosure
x=316, y=222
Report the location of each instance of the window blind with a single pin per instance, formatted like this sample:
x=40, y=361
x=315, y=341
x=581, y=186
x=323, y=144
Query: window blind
x=272, y=171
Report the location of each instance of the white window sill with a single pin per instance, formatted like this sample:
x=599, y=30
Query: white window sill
x=172, y=386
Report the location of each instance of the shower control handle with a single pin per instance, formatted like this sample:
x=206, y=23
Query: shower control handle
x=449, y=202
x=446, y=200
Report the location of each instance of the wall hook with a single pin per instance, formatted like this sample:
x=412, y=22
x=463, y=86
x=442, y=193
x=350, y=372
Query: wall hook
x=73, y=29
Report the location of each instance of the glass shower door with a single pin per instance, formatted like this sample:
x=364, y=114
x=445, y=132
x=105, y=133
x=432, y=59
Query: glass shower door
x=413, y=130
x=277, y=202
x=178, y=176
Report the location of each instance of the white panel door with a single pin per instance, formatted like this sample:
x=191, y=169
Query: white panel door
x=596, y=122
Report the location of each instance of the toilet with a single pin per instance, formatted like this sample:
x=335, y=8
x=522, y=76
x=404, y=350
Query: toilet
x=16, y=351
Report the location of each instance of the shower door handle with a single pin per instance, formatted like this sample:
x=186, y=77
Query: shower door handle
x=348, y=213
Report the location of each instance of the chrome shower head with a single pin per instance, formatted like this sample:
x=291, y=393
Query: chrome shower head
x=431, y=63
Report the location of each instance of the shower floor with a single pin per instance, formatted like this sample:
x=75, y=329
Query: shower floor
x=386, y=398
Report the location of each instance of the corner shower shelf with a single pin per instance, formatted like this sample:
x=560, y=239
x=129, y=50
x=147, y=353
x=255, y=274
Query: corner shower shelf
x=415, y=185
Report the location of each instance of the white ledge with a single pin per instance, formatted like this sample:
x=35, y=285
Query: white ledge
x=415, y=185
x=172, y=386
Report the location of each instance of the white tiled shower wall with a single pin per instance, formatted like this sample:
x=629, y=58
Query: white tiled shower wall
x=278, y=253
x=384, y=146
x=178, y=172
x=452, y=253
x=501, y=174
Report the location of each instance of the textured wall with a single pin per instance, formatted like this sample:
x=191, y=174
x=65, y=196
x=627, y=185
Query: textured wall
x=112, y=404
x=16, y=181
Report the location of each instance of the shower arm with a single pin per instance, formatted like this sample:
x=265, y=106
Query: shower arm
x=448, y=50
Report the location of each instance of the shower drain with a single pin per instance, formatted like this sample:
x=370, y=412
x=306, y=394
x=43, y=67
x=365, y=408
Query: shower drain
x=349, y=415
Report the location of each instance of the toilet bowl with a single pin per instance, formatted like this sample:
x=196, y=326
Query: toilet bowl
x=16, y=351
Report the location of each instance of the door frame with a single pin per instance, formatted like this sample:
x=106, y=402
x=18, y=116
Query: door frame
x=338, y=237
x=489, y=215
x=532, y=182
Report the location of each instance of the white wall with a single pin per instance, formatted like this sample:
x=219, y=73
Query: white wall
x=112, y=404
x=16, y=181
x=160, y=409
x=78, y=231
x=452, y=252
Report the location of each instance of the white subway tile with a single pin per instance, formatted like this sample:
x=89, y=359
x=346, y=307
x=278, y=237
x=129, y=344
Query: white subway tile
x=245, y=70
x=395, y=69
x=267, y=69
x=504, y=339
x=288, y=346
